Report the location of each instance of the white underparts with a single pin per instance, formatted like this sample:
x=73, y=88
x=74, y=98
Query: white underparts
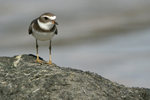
x=42, y=36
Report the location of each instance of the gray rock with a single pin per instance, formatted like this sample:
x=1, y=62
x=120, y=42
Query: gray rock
x=23, y=79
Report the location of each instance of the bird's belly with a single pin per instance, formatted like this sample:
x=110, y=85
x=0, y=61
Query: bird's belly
x=43, y=36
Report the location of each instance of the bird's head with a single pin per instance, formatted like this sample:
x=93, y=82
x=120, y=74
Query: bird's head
x=47, y=20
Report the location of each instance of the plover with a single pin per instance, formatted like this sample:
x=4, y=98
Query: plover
x=43, y=28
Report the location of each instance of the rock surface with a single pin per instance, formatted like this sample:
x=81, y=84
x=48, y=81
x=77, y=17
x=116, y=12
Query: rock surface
x=23, y=79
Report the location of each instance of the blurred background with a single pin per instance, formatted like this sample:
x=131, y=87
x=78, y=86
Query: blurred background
x=108, y=37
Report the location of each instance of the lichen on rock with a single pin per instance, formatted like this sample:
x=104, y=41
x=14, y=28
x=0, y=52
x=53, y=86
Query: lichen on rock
x=21, y=78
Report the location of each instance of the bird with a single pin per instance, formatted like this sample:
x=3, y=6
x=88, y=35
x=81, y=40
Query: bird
x=43, y=28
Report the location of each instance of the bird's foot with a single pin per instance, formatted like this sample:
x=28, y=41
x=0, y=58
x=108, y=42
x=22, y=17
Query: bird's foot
x=40, y=61
x=50, y=63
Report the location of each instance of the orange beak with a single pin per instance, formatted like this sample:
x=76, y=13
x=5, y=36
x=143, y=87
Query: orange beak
x=53, y=22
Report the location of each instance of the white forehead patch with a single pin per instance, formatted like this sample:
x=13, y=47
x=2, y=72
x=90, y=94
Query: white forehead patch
x=53, y=17
x=50, y=17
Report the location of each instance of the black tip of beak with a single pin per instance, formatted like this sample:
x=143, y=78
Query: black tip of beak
x=56, y=23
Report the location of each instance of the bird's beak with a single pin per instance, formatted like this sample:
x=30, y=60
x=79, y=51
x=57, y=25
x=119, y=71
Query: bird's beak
x=55, y=23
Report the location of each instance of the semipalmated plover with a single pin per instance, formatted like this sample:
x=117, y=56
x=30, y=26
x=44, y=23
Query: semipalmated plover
x=43, y=28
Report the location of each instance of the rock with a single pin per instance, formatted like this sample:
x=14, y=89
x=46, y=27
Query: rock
x=23, y=79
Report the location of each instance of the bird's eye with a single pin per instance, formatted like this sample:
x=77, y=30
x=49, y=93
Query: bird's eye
x=45, y=18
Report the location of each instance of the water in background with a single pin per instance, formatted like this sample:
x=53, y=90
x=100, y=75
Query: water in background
x=109, y=38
